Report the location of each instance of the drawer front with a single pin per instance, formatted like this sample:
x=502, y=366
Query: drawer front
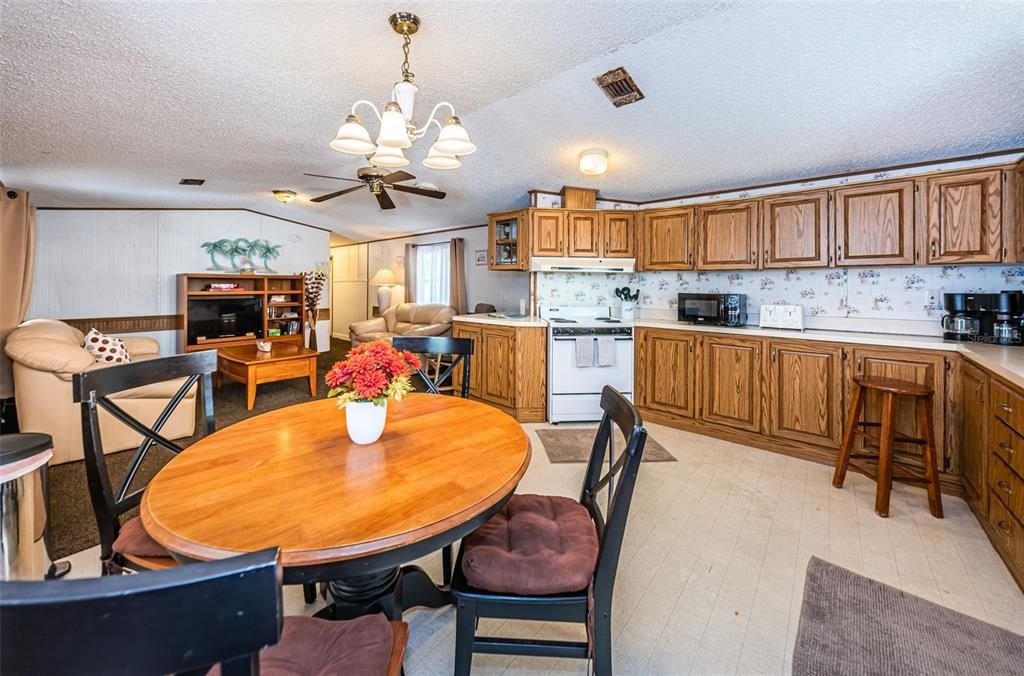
x=1007, y=405
x=1007, y=486
x=1008, y=528
x=1007, y=445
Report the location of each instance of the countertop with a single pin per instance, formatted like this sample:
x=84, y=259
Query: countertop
x=484, y=318
x=1006, y=362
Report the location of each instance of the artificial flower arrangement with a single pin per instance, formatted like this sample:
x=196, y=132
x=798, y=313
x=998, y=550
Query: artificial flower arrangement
x=372, y=372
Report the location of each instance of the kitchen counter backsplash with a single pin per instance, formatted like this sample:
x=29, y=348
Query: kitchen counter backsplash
x=871, y=293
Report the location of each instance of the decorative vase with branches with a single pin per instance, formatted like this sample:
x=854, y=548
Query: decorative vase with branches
x=315, y=281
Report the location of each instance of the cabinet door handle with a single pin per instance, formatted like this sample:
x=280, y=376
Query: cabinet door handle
x=766, y=256
x=774, y=352
x=858, y=364
x=1006, y=447
x=1004, y=526
x=1006, y=407
x=933, y=247
x=1005, y=486
x=691, y=346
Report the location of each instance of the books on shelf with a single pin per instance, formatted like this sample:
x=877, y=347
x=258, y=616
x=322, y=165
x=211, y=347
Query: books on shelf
x=223, y=286
x=289, y=328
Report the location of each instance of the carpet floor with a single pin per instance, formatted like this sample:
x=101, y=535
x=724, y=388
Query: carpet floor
x=72, y=521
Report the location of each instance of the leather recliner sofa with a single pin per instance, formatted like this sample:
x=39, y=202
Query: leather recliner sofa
x=405, y=319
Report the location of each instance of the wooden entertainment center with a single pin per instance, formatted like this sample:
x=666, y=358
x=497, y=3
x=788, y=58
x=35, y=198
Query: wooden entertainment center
x=279, y=296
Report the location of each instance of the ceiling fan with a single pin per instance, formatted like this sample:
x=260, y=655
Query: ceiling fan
x=377, y=180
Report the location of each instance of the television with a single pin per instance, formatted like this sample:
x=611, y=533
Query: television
x=224, y=318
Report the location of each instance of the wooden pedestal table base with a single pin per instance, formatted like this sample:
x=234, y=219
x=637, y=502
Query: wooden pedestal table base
x=251, y=367
x=350, y=515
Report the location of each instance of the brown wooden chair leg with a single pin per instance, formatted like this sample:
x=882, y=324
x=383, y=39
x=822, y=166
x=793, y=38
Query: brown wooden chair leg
x=883, y=482
x=931, y=469
x=853, y=417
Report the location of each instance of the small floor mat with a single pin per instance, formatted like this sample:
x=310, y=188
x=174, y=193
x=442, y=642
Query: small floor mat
x=574, y=444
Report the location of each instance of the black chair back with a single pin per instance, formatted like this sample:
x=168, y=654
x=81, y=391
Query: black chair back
x=92, y=390
x=184, y=619
x=620, y=480
x=459, y=348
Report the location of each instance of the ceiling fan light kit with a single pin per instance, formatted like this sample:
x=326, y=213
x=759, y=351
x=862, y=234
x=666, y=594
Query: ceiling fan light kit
x=396, y=128
x=593, y=161
x=284, y=196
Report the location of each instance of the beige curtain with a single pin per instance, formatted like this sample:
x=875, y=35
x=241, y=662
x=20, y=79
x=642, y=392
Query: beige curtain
x=17, y=255
x=457, y=263
x=410, y=273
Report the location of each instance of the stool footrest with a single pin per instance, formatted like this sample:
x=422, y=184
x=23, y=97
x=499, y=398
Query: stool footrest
x=897, y=437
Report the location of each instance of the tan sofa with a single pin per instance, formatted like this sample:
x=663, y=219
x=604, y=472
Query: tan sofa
x=46, y=353
x=406, y=319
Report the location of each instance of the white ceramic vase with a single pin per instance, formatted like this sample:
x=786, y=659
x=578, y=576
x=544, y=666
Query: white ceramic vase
x=365, y=421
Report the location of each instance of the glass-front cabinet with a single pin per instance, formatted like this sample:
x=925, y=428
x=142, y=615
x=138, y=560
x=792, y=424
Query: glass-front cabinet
x=507, y=233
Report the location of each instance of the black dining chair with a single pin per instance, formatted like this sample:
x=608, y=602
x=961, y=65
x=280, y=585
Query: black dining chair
x=440, y=352
x=566, y=570
x=458, y=350
x=184, y=620
x=127, y=545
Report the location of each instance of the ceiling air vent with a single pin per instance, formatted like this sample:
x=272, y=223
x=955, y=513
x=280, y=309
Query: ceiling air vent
x=619, y=87
x=192, y=181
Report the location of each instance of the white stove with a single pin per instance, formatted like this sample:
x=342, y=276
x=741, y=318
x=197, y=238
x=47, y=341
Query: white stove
x=587, y=349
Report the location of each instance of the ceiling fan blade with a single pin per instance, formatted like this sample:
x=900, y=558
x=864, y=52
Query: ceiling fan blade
x=396, y=176
x=332, y=195
x=385, y=200
x=337, y=178
x=436, y=194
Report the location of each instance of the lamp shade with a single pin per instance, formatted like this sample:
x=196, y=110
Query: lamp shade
x=389, y=157
x=353, y=138
x=404, y=93
x=454, y=139
x=393, y=133
x=384, y=276
x=593, y=161
x=439, y=160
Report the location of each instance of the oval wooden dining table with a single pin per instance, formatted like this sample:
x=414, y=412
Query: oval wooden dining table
x=340, y=512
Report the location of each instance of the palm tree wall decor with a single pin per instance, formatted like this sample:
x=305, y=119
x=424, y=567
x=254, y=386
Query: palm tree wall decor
x=229, y=251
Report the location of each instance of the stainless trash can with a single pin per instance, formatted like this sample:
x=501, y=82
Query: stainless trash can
x=23, y=551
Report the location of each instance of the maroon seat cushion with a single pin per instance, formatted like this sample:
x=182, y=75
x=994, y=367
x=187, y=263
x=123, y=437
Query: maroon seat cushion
x=133, y=540
x=312, y=647
x=536, y=544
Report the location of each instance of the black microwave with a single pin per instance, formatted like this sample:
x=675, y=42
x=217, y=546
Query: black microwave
x=723, y=309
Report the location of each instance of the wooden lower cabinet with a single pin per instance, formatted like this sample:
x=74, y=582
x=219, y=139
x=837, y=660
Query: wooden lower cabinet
x=805, y=392
x=916, y=366
x=974, y=428
x=731, y=382
x=508, y=369
x=666, y=362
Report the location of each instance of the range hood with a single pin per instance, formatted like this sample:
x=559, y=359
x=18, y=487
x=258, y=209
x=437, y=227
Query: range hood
x=542, y=264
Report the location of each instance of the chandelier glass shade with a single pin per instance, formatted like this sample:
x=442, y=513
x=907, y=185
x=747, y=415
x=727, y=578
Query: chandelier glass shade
x=397, y=131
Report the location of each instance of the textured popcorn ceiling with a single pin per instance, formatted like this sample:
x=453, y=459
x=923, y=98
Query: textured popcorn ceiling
x=110, y=103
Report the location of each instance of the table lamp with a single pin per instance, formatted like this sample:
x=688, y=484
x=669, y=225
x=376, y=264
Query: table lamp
x=384, y=280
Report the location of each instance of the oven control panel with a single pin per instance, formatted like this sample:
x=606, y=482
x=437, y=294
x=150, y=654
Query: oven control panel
x=582, y=331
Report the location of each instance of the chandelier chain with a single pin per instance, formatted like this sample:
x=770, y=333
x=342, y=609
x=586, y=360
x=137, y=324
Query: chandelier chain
x=407, y=74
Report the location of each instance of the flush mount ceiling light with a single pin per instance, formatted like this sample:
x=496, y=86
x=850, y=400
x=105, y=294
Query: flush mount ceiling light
x=594, y=161
x=285, y=196
x=396, y=129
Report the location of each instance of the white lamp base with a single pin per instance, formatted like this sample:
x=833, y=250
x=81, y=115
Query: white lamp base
x=383, y=298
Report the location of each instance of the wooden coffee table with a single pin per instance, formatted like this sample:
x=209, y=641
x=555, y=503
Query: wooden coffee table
x=247, y=365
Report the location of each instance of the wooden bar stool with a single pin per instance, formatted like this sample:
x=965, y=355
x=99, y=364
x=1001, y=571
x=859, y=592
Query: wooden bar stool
x=890, y=389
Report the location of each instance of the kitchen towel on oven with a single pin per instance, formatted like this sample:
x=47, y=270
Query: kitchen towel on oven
x=606, y=351
x=584, y=352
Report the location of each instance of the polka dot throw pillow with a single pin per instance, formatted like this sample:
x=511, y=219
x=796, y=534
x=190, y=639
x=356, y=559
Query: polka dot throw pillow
x=106, y=349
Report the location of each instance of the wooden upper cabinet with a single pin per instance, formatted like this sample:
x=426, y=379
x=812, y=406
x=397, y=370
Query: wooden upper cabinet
x=584, y=233
x=547, y=232
x=506, y=240
x=917, y=367
x=618, y=235
x=874, y=224
x=666, y=372
x=964, y=217
x=727, y=237
x=805, y=392
x=731, y=382
x=794, y=231
x=666, y=239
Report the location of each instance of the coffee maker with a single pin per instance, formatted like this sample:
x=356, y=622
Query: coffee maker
x=984, y=317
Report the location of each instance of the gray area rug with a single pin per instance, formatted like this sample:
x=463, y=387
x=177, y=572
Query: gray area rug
x=850, y=624
x=573, y=444
x=72, y=522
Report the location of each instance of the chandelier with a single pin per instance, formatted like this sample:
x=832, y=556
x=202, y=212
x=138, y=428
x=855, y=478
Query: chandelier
x=396, y=129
